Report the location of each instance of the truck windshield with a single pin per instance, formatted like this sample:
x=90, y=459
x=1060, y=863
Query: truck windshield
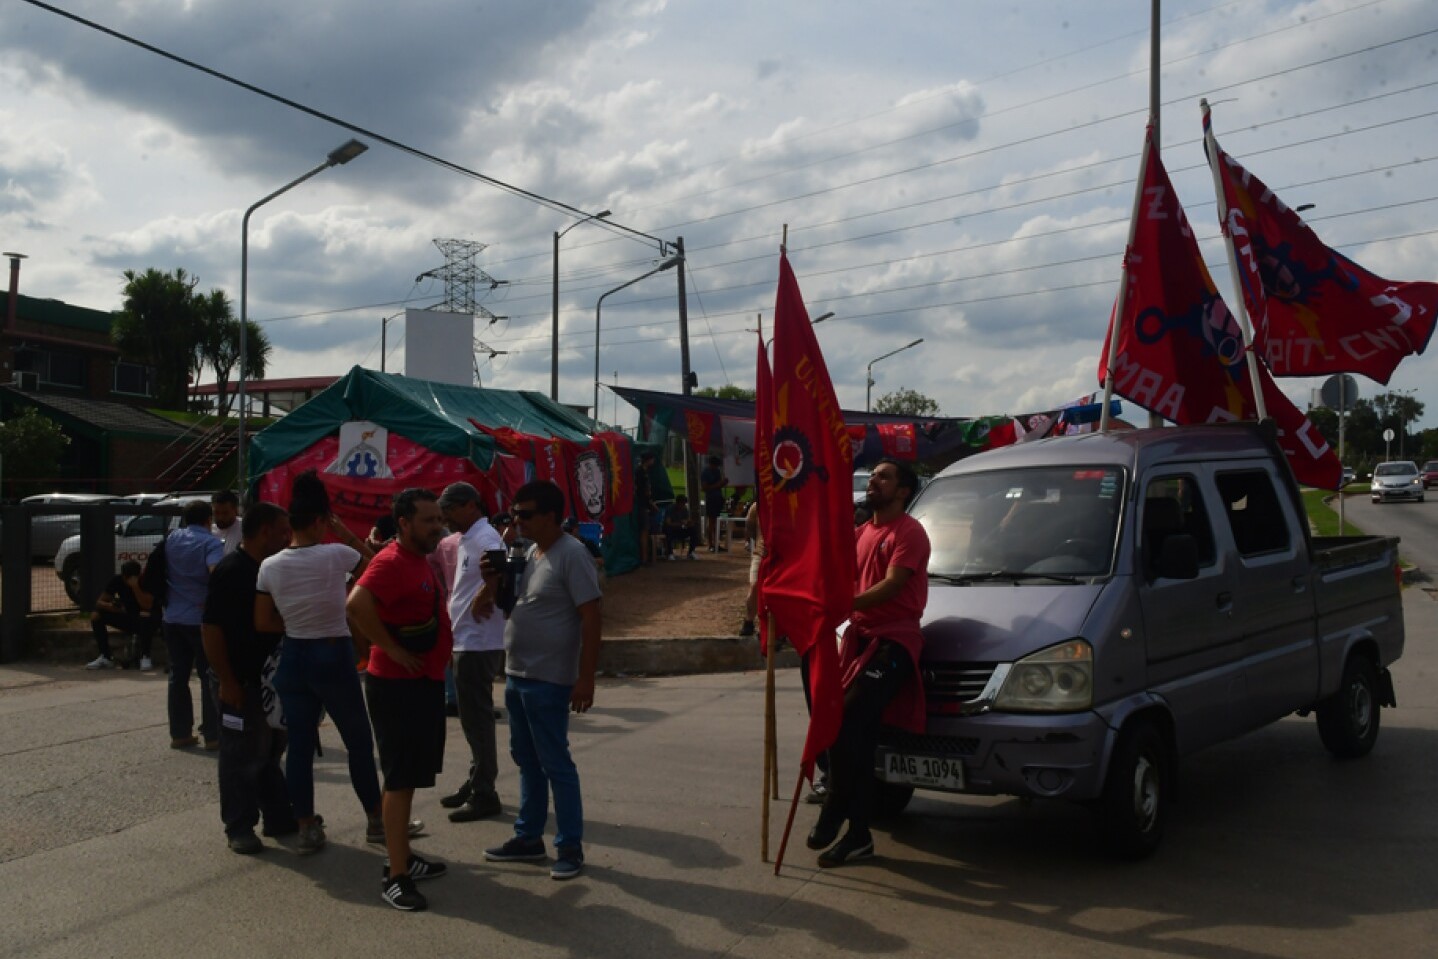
x=1051, y=521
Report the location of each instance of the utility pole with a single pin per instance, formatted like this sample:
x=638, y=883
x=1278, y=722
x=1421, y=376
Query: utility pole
x=691, y=469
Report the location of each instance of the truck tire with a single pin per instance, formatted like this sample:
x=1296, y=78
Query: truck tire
x=891, y=799
x=1134, y=808
x=70, y=576
x=1348, y=720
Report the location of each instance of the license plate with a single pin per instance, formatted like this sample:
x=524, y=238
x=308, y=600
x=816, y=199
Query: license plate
x=931, y=771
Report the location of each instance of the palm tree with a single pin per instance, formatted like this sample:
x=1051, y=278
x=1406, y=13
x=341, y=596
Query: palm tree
x=159, y=326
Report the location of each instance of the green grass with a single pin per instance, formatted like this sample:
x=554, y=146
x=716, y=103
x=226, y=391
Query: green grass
x=1324, y=517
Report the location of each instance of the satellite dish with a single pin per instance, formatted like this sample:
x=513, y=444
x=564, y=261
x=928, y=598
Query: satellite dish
x=1339, y=392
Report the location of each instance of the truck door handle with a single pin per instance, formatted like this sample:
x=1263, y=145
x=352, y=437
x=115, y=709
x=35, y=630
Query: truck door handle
x=1300, y=584
x=1224, y=601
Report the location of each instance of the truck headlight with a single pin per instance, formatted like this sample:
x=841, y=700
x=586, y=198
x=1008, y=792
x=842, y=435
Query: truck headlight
x=1054, y=680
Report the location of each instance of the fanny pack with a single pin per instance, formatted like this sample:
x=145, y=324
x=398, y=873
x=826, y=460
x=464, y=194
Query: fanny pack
x=419, y=637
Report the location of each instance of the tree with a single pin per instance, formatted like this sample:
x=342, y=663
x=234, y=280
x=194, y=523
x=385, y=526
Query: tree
x=160, y=326
x=727, y=392
x=906, y=402
x=1399, y=412
x=220, y=347
x=30, y=445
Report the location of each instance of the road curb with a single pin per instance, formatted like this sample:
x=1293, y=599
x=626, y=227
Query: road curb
x=617, y=657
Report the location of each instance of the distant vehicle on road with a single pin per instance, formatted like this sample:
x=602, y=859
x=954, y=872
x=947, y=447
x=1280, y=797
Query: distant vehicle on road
x=1430, y=473
x=1399, y=479
x=1349, y=475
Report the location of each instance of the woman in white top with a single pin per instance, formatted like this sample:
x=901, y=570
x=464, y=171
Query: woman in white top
x=301, y=593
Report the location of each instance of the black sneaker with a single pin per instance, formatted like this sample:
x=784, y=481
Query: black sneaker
x=517, y=849
x=477, y=809
x=421, y=868
x=399, y=892
x=456, y=799
x=568, y=863
x=825, y=831
x=246, y=844
x=852, y=848
x=820, y=791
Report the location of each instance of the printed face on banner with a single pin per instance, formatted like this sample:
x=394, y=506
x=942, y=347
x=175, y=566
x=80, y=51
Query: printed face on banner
x=589, y=478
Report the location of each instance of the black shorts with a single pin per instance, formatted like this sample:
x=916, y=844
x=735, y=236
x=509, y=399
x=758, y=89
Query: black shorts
x=409, y=723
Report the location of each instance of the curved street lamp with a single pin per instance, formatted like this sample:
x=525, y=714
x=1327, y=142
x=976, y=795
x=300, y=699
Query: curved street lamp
x=869, y=372
x=554, y=338
x=341, y=154
x=668, y=264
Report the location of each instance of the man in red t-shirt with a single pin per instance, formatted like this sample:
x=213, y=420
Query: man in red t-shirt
x=879, y=659
x=398, y=607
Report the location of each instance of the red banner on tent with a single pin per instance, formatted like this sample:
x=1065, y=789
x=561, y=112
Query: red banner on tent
x=1314, y=310
x=1180, y=352
x=809, y=577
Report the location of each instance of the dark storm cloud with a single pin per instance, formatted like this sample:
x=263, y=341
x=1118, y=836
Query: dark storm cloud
x=413, y=71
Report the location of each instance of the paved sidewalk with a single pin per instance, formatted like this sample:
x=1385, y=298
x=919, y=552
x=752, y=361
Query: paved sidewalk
x=110, y=845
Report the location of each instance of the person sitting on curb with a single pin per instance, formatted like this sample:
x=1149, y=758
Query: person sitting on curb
x=128, y=608
x=679, y=527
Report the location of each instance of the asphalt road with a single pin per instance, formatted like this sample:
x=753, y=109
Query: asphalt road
x=1416, y=523
x=110, y=845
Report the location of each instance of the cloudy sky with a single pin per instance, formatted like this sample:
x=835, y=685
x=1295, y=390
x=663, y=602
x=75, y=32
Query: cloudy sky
x=956, y=171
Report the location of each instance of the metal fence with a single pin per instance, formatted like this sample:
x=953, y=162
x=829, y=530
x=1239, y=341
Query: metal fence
x=58, y=557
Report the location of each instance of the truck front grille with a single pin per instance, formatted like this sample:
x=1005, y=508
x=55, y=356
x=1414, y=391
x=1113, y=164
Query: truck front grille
x=911, y=744
x=955, y=682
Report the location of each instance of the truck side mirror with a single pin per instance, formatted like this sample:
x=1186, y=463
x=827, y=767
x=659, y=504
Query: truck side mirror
x=1178, y=557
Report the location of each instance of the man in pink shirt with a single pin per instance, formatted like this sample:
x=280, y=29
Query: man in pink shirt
x=879, y=658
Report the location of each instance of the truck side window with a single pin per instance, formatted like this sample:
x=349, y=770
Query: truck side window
x=1173, y=504
x=1254, y=513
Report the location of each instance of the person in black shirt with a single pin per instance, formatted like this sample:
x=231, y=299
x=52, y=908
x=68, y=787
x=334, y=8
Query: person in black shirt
x=128, y=608
x=251, y=782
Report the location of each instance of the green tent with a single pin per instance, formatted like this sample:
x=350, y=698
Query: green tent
x=438, y=417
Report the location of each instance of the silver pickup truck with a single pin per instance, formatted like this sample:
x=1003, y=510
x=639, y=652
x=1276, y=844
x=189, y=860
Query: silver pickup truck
x=1102, y=605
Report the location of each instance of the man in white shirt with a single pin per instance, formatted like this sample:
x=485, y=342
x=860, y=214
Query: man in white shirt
x=227, y=519
x=478, y=653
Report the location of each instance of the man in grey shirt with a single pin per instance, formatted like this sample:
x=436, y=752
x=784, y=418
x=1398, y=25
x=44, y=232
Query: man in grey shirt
x=551, y=645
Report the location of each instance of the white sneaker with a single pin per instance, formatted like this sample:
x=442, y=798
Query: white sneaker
x=146, y=664
x=101, y=662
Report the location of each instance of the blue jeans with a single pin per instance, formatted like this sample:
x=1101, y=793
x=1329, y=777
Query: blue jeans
x=539, y=744
x=187, y=655
x=315, y=673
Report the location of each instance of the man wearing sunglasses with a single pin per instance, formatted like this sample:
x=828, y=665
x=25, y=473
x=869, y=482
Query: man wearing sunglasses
x=551, y=645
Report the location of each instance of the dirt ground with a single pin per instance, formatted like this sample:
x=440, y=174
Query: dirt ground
x=680, y=599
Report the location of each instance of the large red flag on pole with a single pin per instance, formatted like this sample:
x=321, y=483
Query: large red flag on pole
x=805, y=467
x=1177, y=351
x=1314, y=310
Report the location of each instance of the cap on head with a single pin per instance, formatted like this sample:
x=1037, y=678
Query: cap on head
x=457, y=494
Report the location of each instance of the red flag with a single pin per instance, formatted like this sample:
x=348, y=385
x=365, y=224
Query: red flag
x=809, y=575
x=1181, y=353
x=701, y=431
x=898, y=440
x=1313, y=309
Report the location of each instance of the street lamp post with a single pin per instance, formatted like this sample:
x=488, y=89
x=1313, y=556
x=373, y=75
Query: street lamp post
x=342, y=154
x=666, y=265
x=554, y=338
x=869, y=372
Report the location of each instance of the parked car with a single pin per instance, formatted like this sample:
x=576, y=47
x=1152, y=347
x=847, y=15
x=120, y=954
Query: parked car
x=47, y=532
x=1102, y=605
x=135, y=536
x=1430, y=474
x=1399, y=479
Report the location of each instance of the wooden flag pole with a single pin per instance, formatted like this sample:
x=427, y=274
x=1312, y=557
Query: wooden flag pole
x=770, y=762
x=772, y=730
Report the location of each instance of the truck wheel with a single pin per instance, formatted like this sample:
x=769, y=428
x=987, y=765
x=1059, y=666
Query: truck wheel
x=891, y=800
x=1134, y=806
x=70, y=576
x=1348, y=720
